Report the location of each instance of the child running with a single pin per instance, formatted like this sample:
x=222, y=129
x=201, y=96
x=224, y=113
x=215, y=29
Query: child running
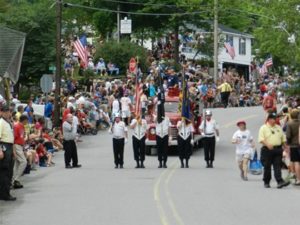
x=243, y=140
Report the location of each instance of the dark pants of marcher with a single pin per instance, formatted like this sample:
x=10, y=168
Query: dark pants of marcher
x=162, y=148
x=225, y=98
x=118, y=145
x=271, y=158
x=6, y=170
x=209, y=145
x=70, y=152
x=139, y=149
x=184, y=147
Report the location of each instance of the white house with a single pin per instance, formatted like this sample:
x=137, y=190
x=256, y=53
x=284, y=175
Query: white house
x=242, y=44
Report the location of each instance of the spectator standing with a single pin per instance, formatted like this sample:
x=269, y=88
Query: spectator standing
x=30, y=111
x=125, y=105
x=225, y=90
x=69, y=144
x=6, y=150
x=20, y=138
x=292, y=135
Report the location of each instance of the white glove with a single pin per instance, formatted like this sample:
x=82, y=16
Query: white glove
x=126, y=140
x=192, y=142
x=217, y=139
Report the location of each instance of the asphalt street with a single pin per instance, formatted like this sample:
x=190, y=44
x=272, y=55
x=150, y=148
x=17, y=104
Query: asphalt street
x=98, y=194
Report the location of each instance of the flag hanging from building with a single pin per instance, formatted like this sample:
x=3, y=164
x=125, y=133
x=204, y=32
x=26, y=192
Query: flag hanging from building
x=81, y=48
x=185, y=110
x=230, y=48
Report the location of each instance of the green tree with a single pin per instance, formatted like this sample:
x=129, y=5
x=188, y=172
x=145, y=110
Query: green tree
x=120, y=54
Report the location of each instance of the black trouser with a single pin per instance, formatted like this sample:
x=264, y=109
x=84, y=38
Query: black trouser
x=225, y=98
x=139, y=149
x=70, y=152
x=162, y=148
x=118, y=146
x=6, y=170
x=269, y=158
x=184, y=147
x=209, y=144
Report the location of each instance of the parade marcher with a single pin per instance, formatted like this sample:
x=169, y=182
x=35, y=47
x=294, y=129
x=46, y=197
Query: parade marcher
x=273, y=140
x=210, y=131
x=69, y=144
x=225, y=90
x=162, y=139
x=243, y=140
x=185, y=134
x=139, y=127
x=292, y=136
x=19, y=143
x=6, y=154
x=120, y=137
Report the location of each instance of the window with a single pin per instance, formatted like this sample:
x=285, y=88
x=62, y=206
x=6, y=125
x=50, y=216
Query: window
x=242, y=46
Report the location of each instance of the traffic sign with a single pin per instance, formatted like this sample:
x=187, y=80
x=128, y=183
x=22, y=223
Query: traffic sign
x=126, y=26
x=132, y=65
x=46, y=83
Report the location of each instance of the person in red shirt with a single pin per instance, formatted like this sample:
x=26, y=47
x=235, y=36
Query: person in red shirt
x=19, y=142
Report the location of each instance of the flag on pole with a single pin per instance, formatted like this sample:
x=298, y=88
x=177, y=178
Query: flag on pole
x=160, y=101
x=263, y=69
x=230, y=48
x=138, y=94
x=269, y=61
x=185, y=110
x=81, y=48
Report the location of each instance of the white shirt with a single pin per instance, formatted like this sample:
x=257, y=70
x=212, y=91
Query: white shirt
x=140, y=129
x=118, y=130
x=244, y=138
x=162, y=129
x=115, y=106
x=184, y=131
x=125, y=101
x=209, y=128
x=75, y=124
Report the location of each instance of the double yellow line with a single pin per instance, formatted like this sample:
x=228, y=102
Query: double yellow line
x=165, y=178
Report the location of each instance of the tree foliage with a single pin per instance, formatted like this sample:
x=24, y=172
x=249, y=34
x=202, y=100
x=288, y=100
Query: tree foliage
x=120, y=54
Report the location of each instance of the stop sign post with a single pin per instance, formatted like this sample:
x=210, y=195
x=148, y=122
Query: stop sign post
x=132, y=65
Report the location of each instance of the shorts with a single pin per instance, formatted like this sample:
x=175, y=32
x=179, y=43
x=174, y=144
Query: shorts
x=241, y=157
x=295, y=154
x=125, y=114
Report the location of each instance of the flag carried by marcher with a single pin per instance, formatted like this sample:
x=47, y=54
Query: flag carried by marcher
x=230, y=48
x=81, y=48
x=160, y=102
x=186, y=105
x=138, y=94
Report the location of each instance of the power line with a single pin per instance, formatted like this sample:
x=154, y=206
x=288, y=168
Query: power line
x=150, y=4
x=134, y=13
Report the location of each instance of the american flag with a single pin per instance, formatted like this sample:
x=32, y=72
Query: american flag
x=81, y=48
x=230, y=49
x=269, y=62
x=263, y=69
x=138, y=94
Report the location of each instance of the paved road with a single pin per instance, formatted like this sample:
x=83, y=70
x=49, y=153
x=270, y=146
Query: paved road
x=97, y=194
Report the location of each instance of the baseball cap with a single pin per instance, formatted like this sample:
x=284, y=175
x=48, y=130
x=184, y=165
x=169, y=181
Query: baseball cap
x=272, y=115
x=241, y=122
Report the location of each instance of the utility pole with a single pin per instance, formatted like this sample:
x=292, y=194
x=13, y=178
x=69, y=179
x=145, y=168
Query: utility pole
x=57, y=105
x=216, y=39
x=118, y=23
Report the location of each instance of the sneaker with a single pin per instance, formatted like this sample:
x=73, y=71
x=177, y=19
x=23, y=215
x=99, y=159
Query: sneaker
x=283, y=184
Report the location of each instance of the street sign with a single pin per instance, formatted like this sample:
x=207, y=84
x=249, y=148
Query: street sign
x=46, y=83
x=132, y=65
x=126, y=26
